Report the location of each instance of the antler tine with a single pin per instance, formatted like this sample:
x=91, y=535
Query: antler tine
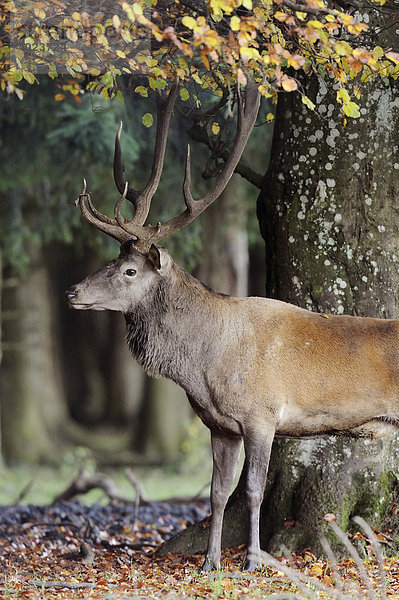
x=142, y=199
x=98, y=220
x=120, y=219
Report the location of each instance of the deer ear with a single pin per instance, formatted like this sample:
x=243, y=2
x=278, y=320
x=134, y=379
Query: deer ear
x=155, y=256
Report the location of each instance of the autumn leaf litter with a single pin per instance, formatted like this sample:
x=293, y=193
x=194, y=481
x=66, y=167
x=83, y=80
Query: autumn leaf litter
x=43, y=556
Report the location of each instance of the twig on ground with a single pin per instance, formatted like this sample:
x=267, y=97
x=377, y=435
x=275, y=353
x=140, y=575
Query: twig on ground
x=140, y=497
x=23, y=493
x=84, y=554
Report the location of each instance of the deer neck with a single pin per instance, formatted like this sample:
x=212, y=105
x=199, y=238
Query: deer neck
x=173, y=333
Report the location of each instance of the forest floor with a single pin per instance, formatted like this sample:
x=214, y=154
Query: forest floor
x=70, y=550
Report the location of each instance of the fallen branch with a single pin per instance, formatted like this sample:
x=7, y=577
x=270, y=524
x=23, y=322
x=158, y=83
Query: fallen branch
x=70, y=585
x=129, y=545
x=85, y=482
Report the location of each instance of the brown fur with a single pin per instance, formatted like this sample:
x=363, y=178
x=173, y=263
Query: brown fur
x=252, y=368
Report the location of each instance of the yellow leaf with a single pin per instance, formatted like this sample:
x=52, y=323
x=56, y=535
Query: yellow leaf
x=351, y=109
x=247, y=4
x=137, y=8
x=215, y=128
x=357, y=28
x=307, y=101
x=315, y=24
x=38, y=10
x=317, y=569
x=76, y=16
x=126, y=36
x=189, y=22
x=269, y=117
x=249, y=53
x=72, y=34
x=301, y=15
x=378, y=52
x=345, y=18
x=288, y=84
x=343, y=48
x=235, y=23
x=116, y=21
x=59, y=97
x=343, y=96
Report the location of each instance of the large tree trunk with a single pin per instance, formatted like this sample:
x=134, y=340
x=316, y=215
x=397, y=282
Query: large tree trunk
x=329, y=219
x=328, y=214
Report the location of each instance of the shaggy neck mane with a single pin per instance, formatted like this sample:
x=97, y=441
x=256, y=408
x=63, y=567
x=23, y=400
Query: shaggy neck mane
x=161, y=331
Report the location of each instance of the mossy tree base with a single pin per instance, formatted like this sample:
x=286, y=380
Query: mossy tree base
x=307, y=480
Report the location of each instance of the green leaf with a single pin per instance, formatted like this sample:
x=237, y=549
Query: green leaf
x=52, y=71
x=140, y=89
x=147, y=119
x=184, y=94
x=17, y=75
x=29, y=77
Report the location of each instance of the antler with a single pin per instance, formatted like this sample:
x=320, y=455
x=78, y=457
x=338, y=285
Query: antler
x=142, y=199
x=144, y=235
x=100, y=221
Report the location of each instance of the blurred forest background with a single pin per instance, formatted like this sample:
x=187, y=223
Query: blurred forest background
x=70, y=393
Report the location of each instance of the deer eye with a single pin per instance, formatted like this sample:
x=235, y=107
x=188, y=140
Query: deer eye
x=131, y=272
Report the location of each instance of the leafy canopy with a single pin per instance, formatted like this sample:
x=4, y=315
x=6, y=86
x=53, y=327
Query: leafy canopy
x=213, y=43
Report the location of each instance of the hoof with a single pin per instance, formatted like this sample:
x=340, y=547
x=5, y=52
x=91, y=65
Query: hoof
x=209, y=565
x=251, y=565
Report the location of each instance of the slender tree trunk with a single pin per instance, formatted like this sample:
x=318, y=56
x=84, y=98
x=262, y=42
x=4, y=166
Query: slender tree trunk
x=32, y=402
x=225, y=261
x=1, y=345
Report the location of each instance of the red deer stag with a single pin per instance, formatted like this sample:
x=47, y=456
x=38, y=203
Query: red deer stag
x=252, y=368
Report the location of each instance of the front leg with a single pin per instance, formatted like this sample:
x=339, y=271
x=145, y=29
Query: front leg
x=226, y=451
x=258, y=444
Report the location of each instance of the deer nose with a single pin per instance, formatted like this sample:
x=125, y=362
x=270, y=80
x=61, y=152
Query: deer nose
x=72, y=293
